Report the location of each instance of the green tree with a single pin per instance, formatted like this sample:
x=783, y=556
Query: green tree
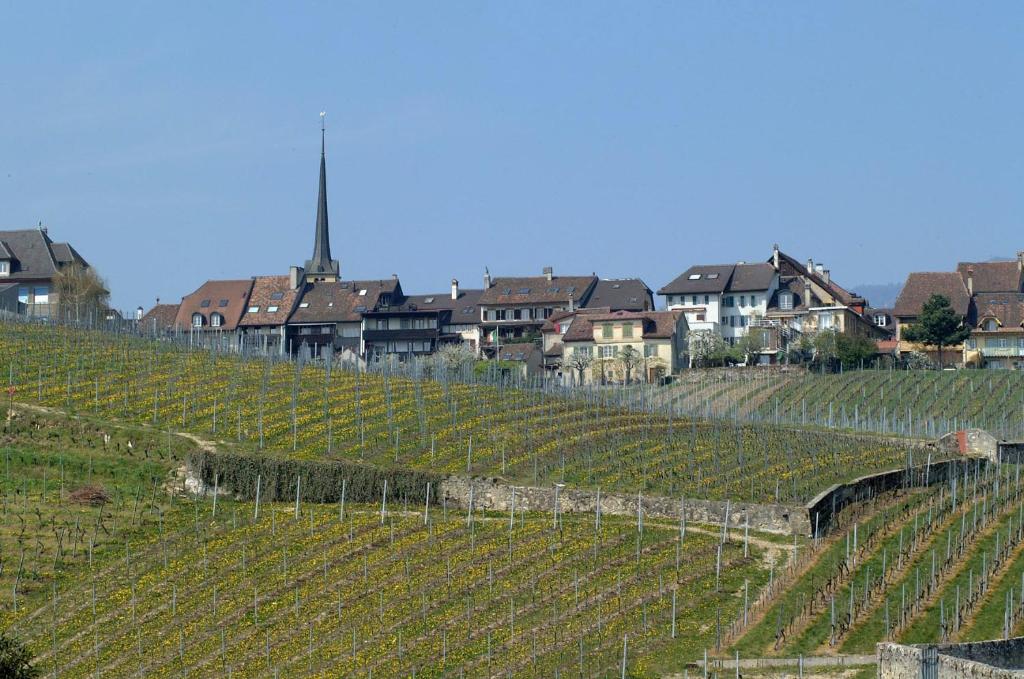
x=853, y=352
x=15, y=659
x=748, y=345
x=938, y=326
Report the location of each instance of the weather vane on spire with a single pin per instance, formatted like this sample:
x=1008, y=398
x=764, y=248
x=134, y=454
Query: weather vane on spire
x=323, y=128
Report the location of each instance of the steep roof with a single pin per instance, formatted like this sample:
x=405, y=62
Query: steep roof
x=160, y=317
x=321, y=262
x=1006, y=307
x=227, y=298
x=465, y=310
x=921, y=285
x=538, y=290
x=751, y=277
x=267, y=293
x=703, y=278
x=789, y=266
x=549, y=322
x=341, y=301
x=656, y=324
x=31, y=254
x=630, y=294
x=517, y=352
x=992, y=276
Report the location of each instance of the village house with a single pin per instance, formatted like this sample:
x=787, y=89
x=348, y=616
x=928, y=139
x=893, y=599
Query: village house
x=918, y=289
x=724, y=299
x=525, y=357
x=621, y=294
x=210, y=315
x=329, y=315
x=657, y=342
x=159, y=320
x=29, y=264
x=515, y=308
x=263, y=325
x=418, y=325
x=552, y=333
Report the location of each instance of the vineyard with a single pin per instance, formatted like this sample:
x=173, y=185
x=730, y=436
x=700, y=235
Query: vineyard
x=919, y=403
x=130, y=581
x=597, y=439
x=108, y=567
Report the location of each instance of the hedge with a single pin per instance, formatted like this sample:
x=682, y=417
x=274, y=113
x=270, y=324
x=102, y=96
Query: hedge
x=321, y=480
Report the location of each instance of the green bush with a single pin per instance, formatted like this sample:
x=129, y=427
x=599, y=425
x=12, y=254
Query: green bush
x=15, y=659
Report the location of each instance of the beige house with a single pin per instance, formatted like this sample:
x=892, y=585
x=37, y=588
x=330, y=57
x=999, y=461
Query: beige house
x=625, y=346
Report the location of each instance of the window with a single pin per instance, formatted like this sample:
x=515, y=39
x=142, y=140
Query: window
x=222, y=303
x=608, y=351
x=694, y=277
x=753, y=300
x=1020, y=342
x=23, y=294
x=362, y=293
x=548, y=311
x=729, y=301
x=606, y=331
x=712, y=276
x=517, y=315
x=405, y=323
x=707, y=299
x=276, y=296
x=693, y=299
x=825, y=321
x=255, y=309
x=627, y=329
x=197, y=320
x=881, y=320
x=991, y=325
x=382, y=324
x=428, y=300
x=743, y=321
x=582, y=351
x=650, y=350
x=743, y=300
x=216, y=319
x=5, y=267
x=524, y=291
x=972, y=343
x=786, y=300
x=304, y=305
x=272, y=309
x=204, y=304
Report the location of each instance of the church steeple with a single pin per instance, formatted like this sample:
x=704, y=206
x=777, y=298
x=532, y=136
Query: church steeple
x=321, y=266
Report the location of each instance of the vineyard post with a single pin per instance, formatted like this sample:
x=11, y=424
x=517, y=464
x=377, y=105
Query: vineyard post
x=216, y=488
x=383, y=502
x=426, y=506
x=624, y=655
x=341, y=504
x=298, y=489
x=673, y=614
x=256, y=514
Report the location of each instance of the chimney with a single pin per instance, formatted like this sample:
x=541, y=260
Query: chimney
x=810, y=265
x=826, y=274
x=807, y=294
x=455, y=288
x=487, y=278
x=819, y=269
x=294, y=276
x=138, y=314
x=572, y=304
x=548, y=273
x=1020, y=260
x=775, y=256
x=394, y=277
x=970, y=281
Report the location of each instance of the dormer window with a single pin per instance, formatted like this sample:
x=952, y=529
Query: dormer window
x=5, y=267
x=991, y=325
x=197, y=320
x=216, y=320
x=786, y=300
x=254, y=309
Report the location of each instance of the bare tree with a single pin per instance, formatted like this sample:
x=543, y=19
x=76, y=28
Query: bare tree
x=630, y=358
x=80, y=291
x=579, y=360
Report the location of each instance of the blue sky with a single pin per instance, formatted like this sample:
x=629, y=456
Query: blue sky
x=176, y=142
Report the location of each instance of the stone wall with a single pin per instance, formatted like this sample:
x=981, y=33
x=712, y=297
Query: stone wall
x=821, y=511
x=494, y=495
x=997, y=659
x=970, y=442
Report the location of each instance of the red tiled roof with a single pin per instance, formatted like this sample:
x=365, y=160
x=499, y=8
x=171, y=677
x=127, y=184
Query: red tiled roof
x=992, y=276
x=921, y=285
x=160, y=317
x=227, y=298
x=269, y=292
x=656, y=324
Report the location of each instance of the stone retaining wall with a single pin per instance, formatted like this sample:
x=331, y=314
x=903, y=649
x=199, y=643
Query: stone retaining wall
x=997, y=659
x=494, y=495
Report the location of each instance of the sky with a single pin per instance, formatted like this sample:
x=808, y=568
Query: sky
x=172, y=143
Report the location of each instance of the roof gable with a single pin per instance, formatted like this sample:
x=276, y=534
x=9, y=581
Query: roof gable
x=921, y=285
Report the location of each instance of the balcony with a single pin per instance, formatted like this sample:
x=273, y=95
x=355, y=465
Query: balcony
x=702, y=326
x=1002, y=352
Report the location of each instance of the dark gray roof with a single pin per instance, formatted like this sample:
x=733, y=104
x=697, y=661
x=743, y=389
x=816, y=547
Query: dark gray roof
x=31, y=256
x=465, y=309
x=5, y=253
x=321, y=262
x=749, y=277
x=341, y=301
x=65, y=254
x=622, y=294
x=719, y=278
x=700, y=278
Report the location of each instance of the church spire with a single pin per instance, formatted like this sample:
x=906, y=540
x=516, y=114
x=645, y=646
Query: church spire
x=321, y=265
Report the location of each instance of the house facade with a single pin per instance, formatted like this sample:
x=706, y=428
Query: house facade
x=263, y=325
x=29, y=265
x=211, y=314
x=725, y=299
x=514, y=308
x=917, y=290
x=655, y=342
